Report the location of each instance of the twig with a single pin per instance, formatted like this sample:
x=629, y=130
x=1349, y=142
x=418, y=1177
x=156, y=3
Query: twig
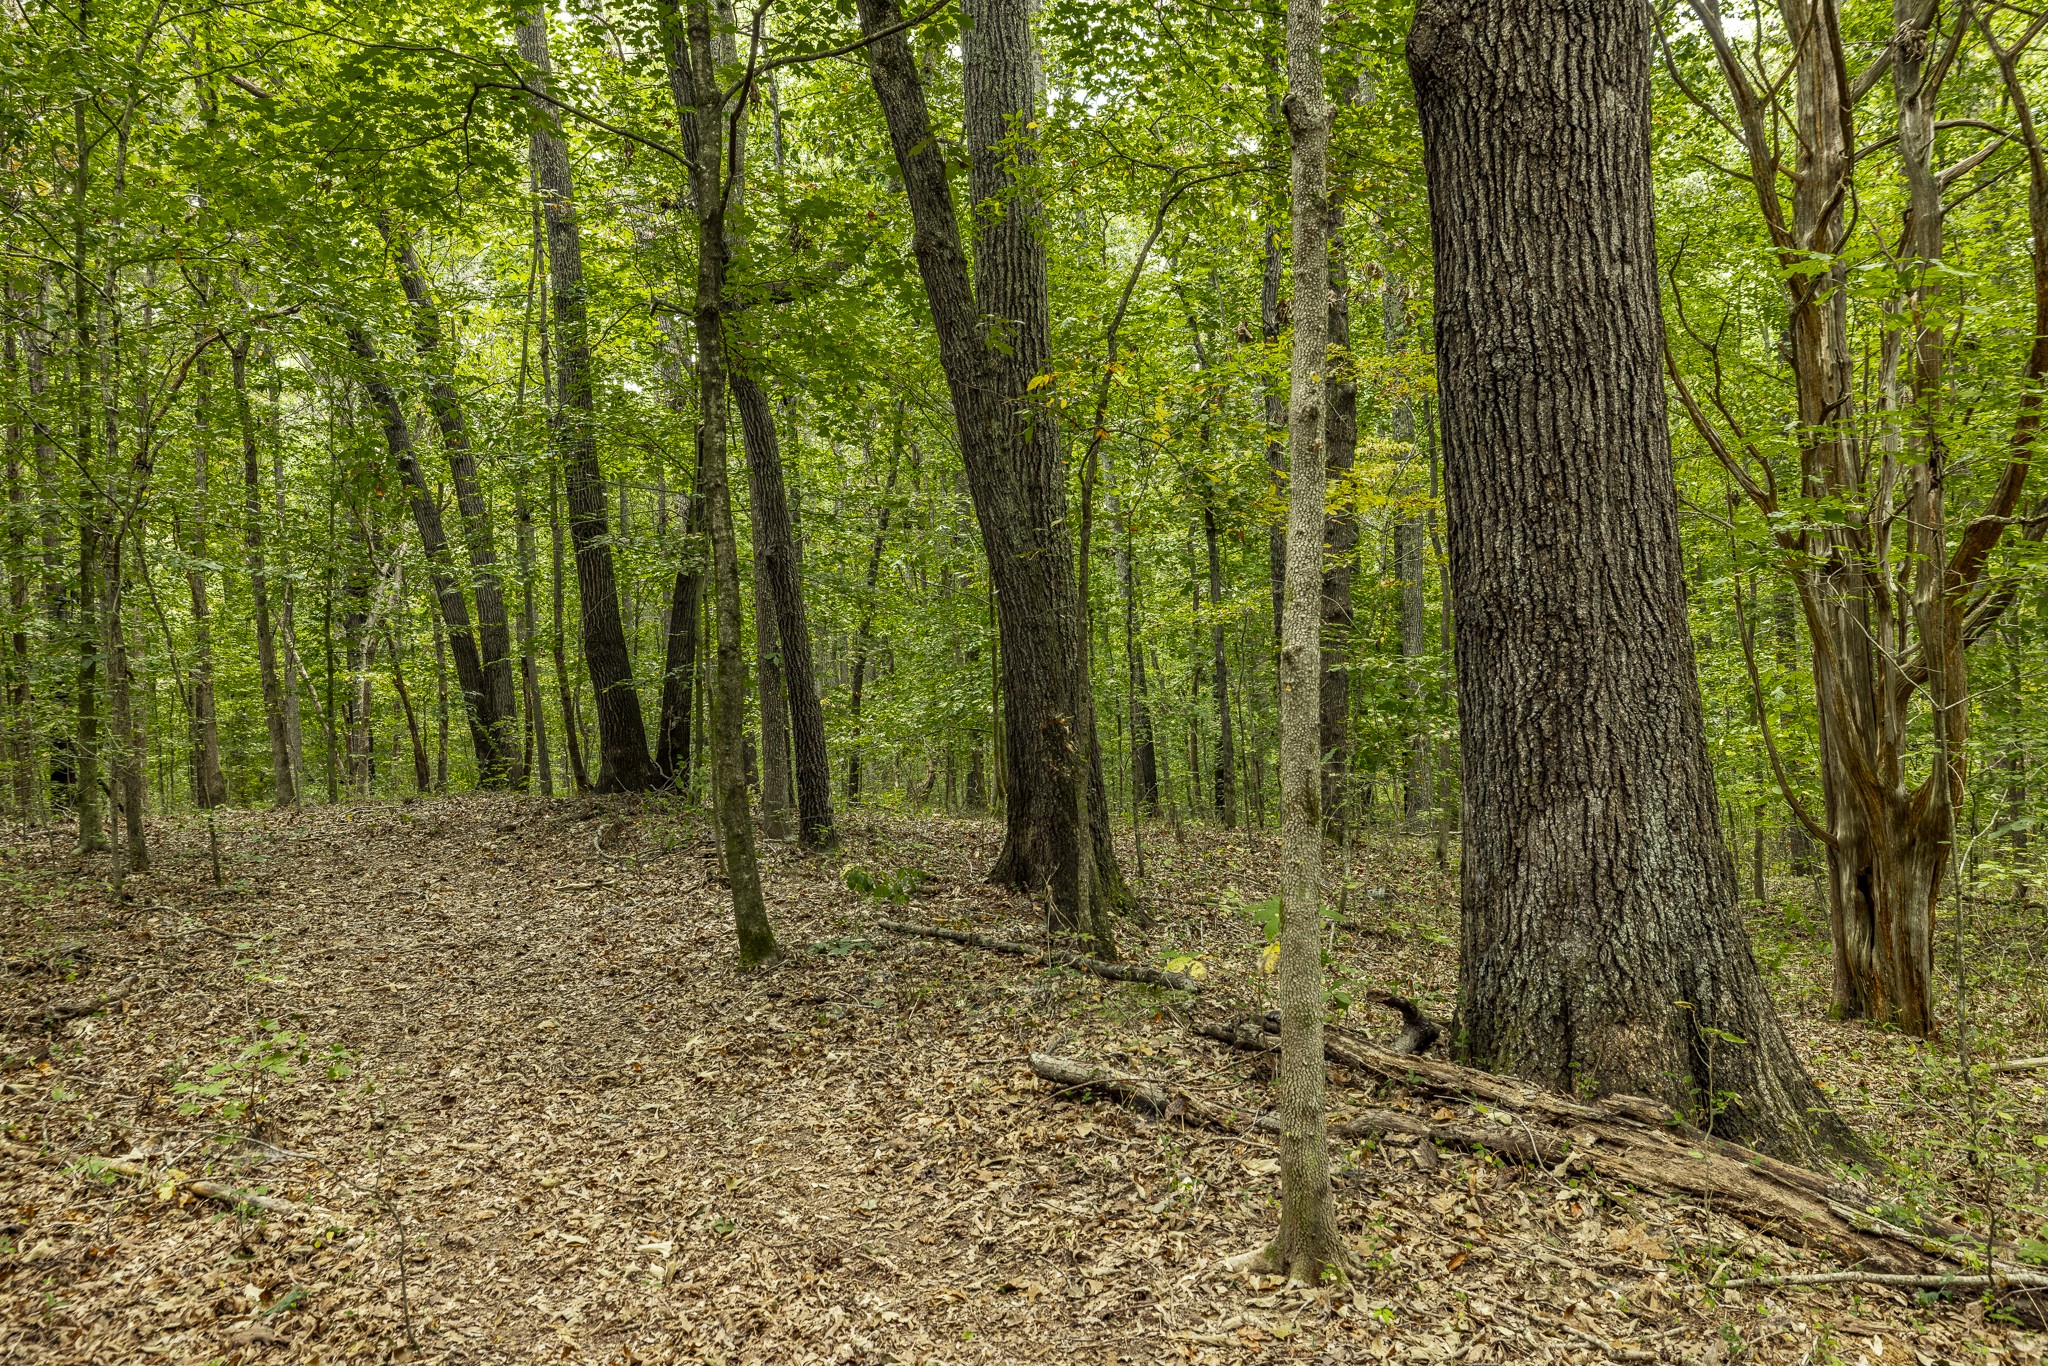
x=2018, y=1280
x=1121, y=972
x=1618, y=1353
x=70, y=1010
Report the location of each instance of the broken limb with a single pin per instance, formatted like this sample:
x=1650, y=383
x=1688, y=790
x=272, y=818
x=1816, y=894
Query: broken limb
x=1120, y=972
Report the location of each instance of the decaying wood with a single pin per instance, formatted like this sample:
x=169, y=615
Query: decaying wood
x=1120, y=972
x=2018, y=1280
x=1645, y=1144
x=2019, y=1065
x=1150, y=1096
x=198, y=1187
x=1419, y=1033
x=56, y=1012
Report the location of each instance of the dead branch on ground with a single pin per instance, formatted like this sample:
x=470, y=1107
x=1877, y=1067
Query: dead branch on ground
x=1120, y=972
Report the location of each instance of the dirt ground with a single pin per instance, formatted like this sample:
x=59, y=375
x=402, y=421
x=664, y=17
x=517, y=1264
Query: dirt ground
x=496, y=1055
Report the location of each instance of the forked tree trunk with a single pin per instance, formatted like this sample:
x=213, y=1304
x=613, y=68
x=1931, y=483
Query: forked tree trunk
x=502, y=762
x=1601, y=947
x=624, y=764
x=687, y=38
x=1009, y=442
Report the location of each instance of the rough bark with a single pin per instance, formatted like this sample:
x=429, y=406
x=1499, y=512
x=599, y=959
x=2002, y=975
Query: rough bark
x=502, y=763
x=1008, y=442
x=624, y=764
x=1601, y=948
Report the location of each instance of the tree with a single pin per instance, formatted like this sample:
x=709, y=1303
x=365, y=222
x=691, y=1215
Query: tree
x=1601, y=949
x=1009, y=443
x=624, y=764
x=1307, y=1247
x=1892, y=598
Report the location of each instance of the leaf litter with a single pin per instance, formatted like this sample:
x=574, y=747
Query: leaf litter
x=503, y=1095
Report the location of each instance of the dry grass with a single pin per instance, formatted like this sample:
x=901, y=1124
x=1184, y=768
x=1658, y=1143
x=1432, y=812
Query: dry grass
x=546, y=1120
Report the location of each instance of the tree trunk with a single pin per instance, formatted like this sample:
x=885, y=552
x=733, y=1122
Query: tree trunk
x=1223, y=788
x=679, y=669
x=776, y=556
x=623, y=761
x=286, y=790
x=1340, y=539
x=1008, y=441
x=20, y=725
x=1601, y=947
x=864, y=633
x=700, y=104
x=1308, y=1246
x=1418, y=794
x=209, y=784
x=422, y=775
x=426, y=516
x=1144, y=749
x=565, y=689
x=501, y=762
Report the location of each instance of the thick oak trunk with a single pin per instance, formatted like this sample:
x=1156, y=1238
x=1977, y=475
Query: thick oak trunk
x=1601, y=948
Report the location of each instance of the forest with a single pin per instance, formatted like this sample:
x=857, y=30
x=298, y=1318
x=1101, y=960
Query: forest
x=867, y=681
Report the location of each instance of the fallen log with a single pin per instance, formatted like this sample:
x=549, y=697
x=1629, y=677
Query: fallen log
x=1150, y=1096
x=1120, y=972
x=2019, y=1065
x=1645, y=1144
x=56, y=1012
x=198, y=1187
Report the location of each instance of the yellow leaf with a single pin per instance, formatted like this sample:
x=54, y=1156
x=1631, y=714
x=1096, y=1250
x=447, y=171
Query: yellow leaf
x=1269, y=961
x=1038, y=382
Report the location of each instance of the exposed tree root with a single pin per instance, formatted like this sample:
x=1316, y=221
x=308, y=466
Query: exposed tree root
x=1643, y=1143
x=197, y=1187
x=1120, y=972
x=56, y=1012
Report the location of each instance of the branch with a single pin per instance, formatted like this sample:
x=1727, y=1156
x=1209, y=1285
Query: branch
x=912, y=22
x=1756, y=693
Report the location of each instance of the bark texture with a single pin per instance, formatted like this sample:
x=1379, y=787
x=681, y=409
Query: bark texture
x=624, y=764
x=1308, y=1247
x=994, y=339
x=1601, y=949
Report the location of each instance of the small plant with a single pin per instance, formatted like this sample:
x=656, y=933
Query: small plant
x=894, y=888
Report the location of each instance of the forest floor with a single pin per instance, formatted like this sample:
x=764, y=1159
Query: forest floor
x=499, y=1049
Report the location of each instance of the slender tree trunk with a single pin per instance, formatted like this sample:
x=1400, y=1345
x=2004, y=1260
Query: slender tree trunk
x=1224, y=783
x=209, y=784
x=1340, y=538
x=1307, y=1247
x=624, y=764
x=864, y=633
x=776, y=559
x=687, y=37
x=286, y=790
x=1008, y=440
x=440, y=702
x=501, y=762
x=20, y=724
x=447, y=589
x=565, y=687
x=1144, y=750
x=1270, y=323
x=1601, y=951
x=422, y=774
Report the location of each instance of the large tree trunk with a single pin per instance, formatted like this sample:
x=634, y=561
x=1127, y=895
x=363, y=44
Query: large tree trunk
x=426, y=516
x=285, y=782
x=1601, y=947
x=700, y=104
x=624, y=764
x=1008, y=442
x=502, y=762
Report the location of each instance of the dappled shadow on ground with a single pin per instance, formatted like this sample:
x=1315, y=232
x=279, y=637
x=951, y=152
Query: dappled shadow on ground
x=496, y=1053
